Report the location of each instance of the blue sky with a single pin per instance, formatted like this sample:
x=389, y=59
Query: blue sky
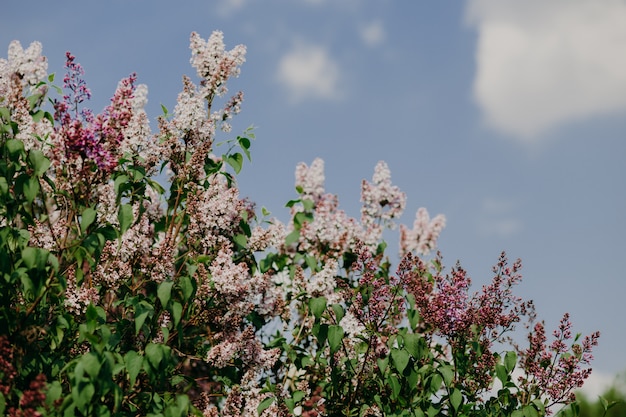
x=508, y=117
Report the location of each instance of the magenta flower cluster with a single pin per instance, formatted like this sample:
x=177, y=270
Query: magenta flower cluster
x=93, y=139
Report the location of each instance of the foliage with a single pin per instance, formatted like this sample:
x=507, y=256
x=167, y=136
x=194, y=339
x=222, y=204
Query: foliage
x=119, y=296
x=612, y=402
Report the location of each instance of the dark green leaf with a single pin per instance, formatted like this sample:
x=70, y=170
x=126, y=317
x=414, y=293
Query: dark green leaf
x=317, y=306
x=164, y=292
x=38, y=161
x=335, y=336
x=412, y=344
x=177, y=311
x=125, y=217
x=87, y=218
x=142, y=311
x=456, y=398
x=400, y=358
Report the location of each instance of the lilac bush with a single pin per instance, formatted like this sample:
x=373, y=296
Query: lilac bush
x=123, y=296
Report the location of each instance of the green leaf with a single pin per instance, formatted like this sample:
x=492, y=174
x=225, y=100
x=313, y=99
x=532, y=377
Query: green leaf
x=264, y=404
x=125, y=217
x=530, y=411
x=186, y=285
x=165, y=292
x=400, y=358
x=38, y=161
x=292, y=237
x=235, y=160
x=447, y=373
x=14, y=147
x=510, y=360
x=317, y=306
x=455, y=398
x=87, y=218
x=435, y=382
x=501, y=373
x=244, y=143
x=133, y=363
x=142, y=310
x=31, y=188
x=4, y=186
x=82, y=395
x=34, y=258
x=339, y=311
x=395, y=386
x=412, y=344
x=382, y=363
x=335, y=336
x=154, y=354
x=177, y=311
x=241, y=240
x=91, y=364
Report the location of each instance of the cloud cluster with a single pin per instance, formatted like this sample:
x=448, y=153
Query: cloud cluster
x=309, y=71
x=497, y=218
x=544, y=63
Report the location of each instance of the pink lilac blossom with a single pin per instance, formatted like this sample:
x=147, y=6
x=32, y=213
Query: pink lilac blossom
x=423, y=237
x=556, y=370
x=382, y=304
x=80, y=134
x=229, y=279
x=159, y=262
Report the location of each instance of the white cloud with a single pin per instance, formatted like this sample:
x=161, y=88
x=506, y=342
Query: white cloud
x=373, y=34
x=227, y=7
x=598, y=383
x=308, y=71
x=497, y=218
x=543, y=63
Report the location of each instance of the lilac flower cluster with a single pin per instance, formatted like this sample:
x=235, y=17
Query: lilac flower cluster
x=449, y=311
x=24, y=72
x=379, y=301
x=83, y=137
x=423, y=237
x=214, y=64
x=382, y=202
x=557, y=368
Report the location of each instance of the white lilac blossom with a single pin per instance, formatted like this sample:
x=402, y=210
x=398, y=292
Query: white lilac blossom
x=214, y=212
x=213, y=63
x=138, y=139
x=323, y=283
x=191, y=118
x=423, y=237
x=264, y=238
x=311, y=179
x=382, y=202
x=28, y=64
